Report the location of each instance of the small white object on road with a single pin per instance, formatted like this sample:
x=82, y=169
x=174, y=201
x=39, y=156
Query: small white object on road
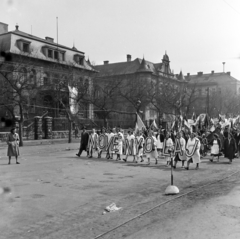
x=112, y=208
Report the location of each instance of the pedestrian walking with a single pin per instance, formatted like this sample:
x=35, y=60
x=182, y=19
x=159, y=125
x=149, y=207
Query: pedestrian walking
x=181, y=156
x=168, y=149
x=101, y=141
x=193, y=151
x=216, y=147
x=153, y=153
x=120, y=138
x=92, y=147
x=83, y=142
x=139, y=146
x=132, y=144
x=13, y=145
x=160, y=140
x=230, y=147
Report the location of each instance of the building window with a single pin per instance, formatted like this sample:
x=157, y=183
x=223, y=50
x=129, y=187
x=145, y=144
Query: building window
x=25, y=47
x=32, y=78
x=55, y=55
x=61, y=56
x=46, y=80
x=50, y=53
x=23, y=75
x=78, y=59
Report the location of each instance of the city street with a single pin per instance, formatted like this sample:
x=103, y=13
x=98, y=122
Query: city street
x=54, y=194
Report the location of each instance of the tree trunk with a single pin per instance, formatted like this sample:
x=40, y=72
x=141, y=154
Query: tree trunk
x=70, y=131
x=20, y=133
x=21, y=125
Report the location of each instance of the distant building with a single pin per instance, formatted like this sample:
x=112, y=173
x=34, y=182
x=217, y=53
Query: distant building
x=138, y=69
x=50, y=62
x=212, y=89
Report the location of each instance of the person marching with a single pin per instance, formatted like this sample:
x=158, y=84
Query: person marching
x=92, y=147
x=153, y=153
x=140, y=139
x=160, y=140
x=13, y=145
x=230, y=147
x=131, y=140
x=83, y=142
x=216, y=147
x=204, y=143
x=101, y=141
x=120, y=145
x=181, y=156
x=193, y=151
x=168, y=148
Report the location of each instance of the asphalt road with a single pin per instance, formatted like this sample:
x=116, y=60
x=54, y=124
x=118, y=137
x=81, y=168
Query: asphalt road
x=55, y=194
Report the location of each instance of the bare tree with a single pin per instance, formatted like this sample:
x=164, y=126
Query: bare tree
x=17, y=89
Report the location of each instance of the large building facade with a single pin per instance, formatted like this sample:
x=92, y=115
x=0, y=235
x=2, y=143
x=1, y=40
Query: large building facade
x=44, y=65
x=139, y=83
x=216, y=92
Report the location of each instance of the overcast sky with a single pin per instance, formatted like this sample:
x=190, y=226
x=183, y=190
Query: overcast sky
x=198, y=35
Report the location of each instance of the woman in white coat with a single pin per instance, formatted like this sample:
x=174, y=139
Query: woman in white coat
x=193, y=151
x=131, y=141
x=180, y=156
x=120, y=145
x=153, y=153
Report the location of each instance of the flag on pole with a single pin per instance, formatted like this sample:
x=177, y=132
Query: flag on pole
x=154, y=125
x=139, y=124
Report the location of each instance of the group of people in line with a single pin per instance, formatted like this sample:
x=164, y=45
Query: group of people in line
x=199, y=144
x=220, y=143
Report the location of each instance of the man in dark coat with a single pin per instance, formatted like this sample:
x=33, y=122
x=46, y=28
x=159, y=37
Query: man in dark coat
x=229, y=147
x=237, y=139
x=83, y=142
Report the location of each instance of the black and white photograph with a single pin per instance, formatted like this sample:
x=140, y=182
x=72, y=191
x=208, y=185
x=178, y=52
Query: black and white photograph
x=119, y=119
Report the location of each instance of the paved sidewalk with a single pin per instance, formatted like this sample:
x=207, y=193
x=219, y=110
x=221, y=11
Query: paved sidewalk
x=43, y=142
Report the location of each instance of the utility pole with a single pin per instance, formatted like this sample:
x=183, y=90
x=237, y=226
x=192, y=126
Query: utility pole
x=207, y=101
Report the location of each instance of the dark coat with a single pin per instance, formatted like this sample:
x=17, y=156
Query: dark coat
x=237, y=138
x=84, y=140
x=230, y=148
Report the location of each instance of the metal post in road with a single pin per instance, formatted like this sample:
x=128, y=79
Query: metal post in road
x=171, y=189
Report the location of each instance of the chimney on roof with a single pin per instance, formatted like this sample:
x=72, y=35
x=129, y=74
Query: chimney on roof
x=129, y=58
x=3, y=28
x=106, y=62
x=17, y=27
x=229, y=73
x=200, y=73
x=50, y=39
x=212, y=72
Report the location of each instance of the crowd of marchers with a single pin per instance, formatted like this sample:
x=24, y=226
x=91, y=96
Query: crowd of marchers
x=194, y=145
